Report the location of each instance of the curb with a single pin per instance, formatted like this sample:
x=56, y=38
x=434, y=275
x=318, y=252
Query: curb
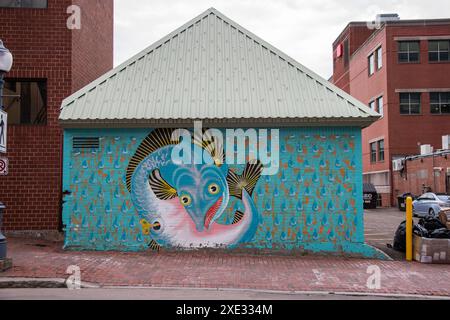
x=57, y=283
x=39, y=283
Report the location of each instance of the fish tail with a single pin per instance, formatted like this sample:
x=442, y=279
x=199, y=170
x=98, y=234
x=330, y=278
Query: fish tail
x=157, y=139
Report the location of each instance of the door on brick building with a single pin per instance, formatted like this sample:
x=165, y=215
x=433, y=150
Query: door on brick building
x=448, y=184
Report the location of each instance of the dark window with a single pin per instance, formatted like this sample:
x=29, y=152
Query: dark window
x=346, y=53
x=440, y=102
x=438, y=50
x=408, y=51
x=23, y=3
x=25, y=101
x=380, y=106
x=381, y=150
x=371, y=64
x=379, y=58
x=410, y=103
x=373, y=152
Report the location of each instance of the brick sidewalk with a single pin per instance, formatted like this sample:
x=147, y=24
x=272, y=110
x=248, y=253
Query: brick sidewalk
x=40, y=259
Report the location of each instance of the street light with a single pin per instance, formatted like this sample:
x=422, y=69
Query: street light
x=6, y=61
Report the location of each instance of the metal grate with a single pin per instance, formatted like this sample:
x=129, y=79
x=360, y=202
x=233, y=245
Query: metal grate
x=85, y=143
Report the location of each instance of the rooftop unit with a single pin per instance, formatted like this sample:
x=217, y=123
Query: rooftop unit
x=426, y=149
x=446, y=142
x=384, y=17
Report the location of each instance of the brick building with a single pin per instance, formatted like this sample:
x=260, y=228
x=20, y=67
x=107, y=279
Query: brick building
x=421, y=173
x=51, y=61
x=400, y=70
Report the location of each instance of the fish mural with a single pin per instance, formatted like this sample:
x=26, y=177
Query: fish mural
x=179, y=204
x=128, y=195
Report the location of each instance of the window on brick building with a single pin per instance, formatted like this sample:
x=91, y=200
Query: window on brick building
x=440, y=102
x=408, y=51
x=25, y=101
x=380, y=106
x=371, y=64
x=372, y=105
x=410, y=103
x=381, y=150
x=373, y=152
x=379, y=58
x=23, y=3
x=438, y=51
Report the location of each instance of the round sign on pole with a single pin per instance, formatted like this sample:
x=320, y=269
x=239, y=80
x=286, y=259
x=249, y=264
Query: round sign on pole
x=3, y=166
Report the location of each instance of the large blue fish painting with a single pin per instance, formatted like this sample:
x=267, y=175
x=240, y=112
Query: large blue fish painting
x=180, y=204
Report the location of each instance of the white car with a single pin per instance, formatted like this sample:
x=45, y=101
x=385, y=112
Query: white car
x=430, y=204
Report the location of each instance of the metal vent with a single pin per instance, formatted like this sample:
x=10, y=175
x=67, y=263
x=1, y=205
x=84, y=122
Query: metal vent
x=85, y=143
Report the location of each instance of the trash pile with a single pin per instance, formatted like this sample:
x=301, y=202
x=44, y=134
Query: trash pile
x=428, y=227
x=431, y=242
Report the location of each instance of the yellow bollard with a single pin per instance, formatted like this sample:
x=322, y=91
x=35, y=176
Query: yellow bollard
x=409, y=229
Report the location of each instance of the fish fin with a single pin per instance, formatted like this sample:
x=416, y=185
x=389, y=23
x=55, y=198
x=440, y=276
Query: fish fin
x=238, y=217
x=145, y=227
x=251, y=174
x=233, y=183
x=160, y=187
x=247, y=180
x=157, y=139
x=211, y=144
x=154, y=246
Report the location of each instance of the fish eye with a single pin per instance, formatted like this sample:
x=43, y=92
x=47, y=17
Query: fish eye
x=214, y=188
x=156, y=226
x=186, y=200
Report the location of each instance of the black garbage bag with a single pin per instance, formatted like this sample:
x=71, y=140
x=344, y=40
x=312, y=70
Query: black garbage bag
x=442, y=233
x=431, y=224
x=420, y=231
x=400, y=235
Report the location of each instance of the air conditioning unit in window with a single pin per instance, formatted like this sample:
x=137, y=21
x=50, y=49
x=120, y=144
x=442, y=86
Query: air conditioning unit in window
x=397, y=165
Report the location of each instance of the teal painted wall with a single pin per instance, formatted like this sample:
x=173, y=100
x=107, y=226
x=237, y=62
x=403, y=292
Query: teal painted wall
x=314, y=203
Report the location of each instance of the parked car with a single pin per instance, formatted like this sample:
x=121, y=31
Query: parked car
x=430, y=204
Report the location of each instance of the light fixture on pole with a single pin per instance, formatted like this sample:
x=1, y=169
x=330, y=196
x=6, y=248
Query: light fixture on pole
x=6, y=61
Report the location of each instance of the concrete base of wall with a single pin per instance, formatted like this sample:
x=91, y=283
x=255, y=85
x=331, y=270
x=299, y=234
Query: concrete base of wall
x=50, y=235
x=348, y=250
x=5, y=264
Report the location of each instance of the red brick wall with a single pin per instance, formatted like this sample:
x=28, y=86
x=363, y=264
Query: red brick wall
x=420, y=172
x=428, y=128
x=93, y=43
x=42, y=48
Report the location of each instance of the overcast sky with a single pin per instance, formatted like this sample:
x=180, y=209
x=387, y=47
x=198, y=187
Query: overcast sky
x=303, y=29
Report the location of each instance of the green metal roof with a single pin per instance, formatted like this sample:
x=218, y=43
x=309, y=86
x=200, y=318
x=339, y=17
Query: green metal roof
x=212, y=69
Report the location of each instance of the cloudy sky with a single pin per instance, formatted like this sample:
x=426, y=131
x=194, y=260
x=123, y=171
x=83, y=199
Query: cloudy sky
x=303, y=29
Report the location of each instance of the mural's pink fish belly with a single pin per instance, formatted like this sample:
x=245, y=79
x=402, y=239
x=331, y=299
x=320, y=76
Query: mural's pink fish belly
x=181, y=230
